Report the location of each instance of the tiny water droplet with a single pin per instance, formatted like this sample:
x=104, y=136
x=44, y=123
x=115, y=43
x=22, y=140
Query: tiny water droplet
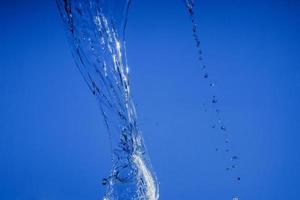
x=223, y=128
x=212, y=84
x=104, y=181
x=217, y=149
x=214, y=99
x=205, y=75
x=234, y=158
x=238, y=178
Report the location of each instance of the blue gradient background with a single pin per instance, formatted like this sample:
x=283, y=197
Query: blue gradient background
x=53, y=145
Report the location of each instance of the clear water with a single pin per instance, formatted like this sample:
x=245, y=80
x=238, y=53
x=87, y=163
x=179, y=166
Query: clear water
x=96, y=30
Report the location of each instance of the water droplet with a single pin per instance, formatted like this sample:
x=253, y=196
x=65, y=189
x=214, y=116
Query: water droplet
x=223, y=128
x=212, y=84
x=104, y=181
x=217, y=149
x=205, y=75
x=238, y=178
x=234, y=158
x=233, y=166
x=214, y=99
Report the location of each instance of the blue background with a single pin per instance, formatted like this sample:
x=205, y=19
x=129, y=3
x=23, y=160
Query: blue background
x=53, y=145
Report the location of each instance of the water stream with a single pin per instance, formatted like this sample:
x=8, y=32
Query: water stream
x=96, y=31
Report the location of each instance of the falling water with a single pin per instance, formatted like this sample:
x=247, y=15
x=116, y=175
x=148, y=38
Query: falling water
x=96, y=30
x=218, y=125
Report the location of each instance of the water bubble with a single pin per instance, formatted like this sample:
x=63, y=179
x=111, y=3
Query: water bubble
x=212, y=84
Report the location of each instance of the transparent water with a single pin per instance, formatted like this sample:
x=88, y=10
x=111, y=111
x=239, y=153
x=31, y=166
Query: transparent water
x=96, y=30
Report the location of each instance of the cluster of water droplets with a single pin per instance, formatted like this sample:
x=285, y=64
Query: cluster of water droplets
x=218, y=125
x=96, y=33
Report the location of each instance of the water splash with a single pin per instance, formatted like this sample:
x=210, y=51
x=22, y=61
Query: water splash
x=214, y=101
x=96, y=30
